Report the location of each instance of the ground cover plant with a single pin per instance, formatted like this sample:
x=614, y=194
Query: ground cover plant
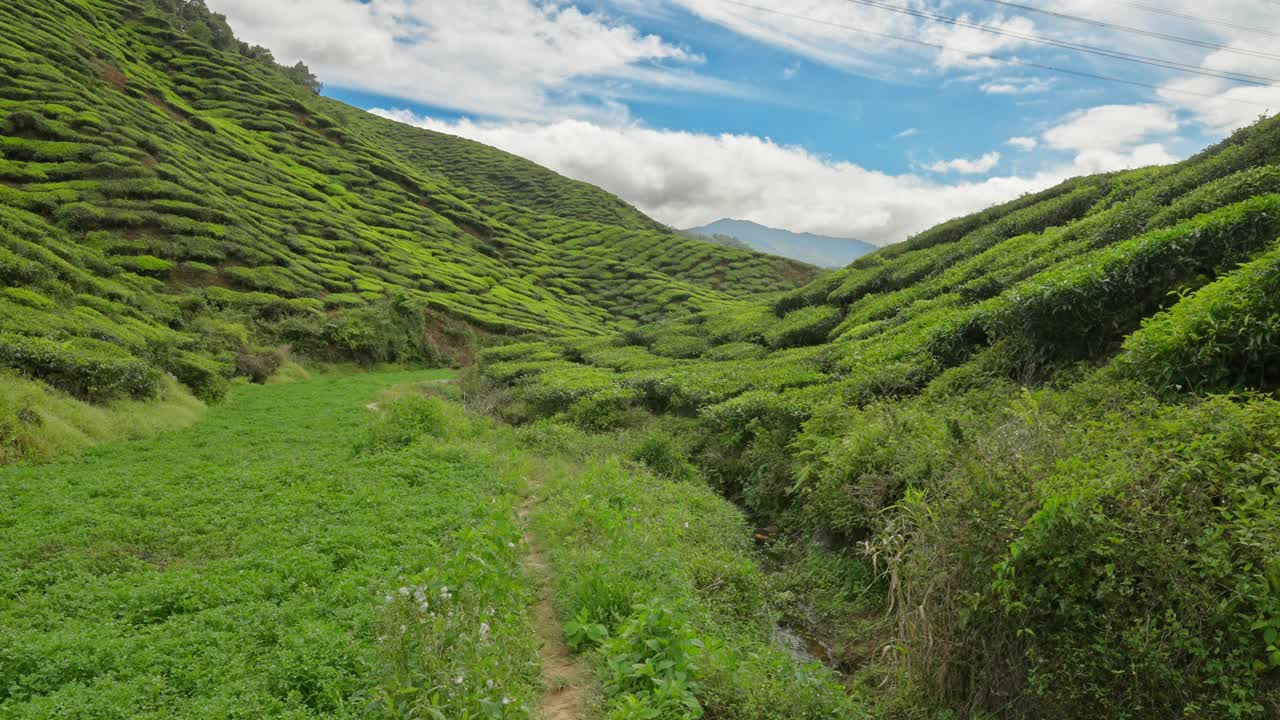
x=280, y=559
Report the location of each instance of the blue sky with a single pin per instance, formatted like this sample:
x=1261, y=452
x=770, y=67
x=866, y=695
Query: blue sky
x=700, y=109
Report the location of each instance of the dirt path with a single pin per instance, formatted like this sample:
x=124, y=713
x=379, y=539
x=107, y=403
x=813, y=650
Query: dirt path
x=565, y=681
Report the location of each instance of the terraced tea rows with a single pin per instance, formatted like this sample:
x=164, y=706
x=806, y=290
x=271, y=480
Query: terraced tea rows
x=168, y=206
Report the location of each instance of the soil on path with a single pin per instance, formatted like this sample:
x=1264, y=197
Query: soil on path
x=565, y=681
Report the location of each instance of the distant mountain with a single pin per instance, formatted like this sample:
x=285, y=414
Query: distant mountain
x=818, y=250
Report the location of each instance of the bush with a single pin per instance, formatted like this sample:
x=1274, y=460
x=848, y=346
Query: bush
x=660, y=452
x=1227, y=336
x=1082, y=561
x=206, y=377
x=403, y=422
x=604, y=411
x=1082, y=308
x=679, y=346
x=260, y=364
x=88, y=369
x=806, y=326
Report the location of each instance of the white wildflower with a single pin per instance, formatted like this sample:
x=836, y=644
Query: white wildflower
x=404, y=591
x=484, y=631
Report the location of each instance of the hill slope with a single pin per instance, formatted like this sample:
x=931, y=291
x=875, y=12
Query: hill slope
x=1014, y=420
x=820, y=250
x=166, y=205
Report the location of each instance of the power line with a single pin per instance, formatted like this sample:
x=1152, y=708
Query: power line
x=988, y=56
x=1197, y=18
x=1078, y=47
x=1140, y=31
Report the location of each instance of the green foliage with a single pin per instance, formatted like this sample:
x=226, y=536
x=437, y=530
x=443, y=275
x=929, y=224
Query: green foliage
x=88, y=369
x=603, y=411
x=660, y=452
x=1226, y=336
x=242, y=568
x=1079, y=308
x=658, y=578
x=403, y=422
x=806, y=326
x=150, y=159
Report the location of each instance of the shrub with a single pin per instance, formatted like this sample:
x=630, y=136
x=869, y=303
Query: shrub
x=736, y=351
x=660, y=452
x=806, y=326
x=679, y=346
x=403, y=422
x=1079, y=559
x=1226, y=336
x=1080, y=308
x=604, y=411
x=260, y=364
x=88, y=369
x=206, y=377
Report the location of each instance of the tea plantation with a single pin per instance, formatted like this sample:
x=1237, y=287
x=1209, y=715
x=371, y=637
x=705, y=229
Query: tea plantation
x=1047, y=432
x=1025, y=464
x=170, y=207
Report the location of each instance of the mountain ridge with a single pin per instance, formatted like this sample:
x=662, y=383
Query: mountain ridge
x=821, y=250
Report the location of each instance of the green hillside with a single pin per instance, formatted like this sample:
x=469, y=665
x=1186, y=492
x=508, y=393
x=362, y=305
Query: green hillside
x=169, y=206
x=1023, y=465
x=1052, y=425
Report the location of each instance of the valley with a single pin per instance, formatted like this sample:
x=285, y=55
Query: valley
x=306, y=413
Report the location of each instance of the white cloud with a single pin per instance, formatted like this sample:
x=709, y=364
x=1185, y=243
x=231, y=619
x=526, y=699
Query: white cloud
x=1111, y=127
x=966, y=166
x=689, y=179
x=1016, y=86
x=1113, y=137
x=501, y=58
x=908, y=133
x=1025, y=144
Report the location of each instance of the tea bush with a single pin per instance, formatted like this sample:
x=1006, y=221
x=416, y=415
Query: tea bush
x=1226, y=336
x=88, y=369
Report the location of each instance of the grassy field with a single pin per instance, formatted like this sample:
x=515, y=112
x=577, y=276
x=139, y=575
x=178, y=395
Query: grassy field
x=243, y=568
x=350, y=546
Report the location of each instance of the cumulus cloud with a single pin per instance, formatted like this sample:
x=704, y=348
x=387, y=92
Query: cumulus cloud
x=1113, y=137
x=689, y=179
x=1111, y=127
x=966, y=166
x=501, y=58
x=1025, y=144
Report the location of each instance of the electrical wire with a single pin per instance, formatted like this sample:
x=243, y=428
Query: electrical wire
x=1197, y=18
x=1078, y=47
x=1140, y=31
x=978, y=54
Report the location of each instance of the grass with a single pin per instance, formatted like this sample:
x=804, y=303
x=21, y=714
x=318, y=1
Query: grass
x=239, y=568
x=38, y=424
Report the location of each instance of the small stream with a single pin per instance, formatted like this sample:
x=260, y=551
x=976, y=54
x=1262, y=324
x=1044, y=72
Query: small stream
x=802, y=646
